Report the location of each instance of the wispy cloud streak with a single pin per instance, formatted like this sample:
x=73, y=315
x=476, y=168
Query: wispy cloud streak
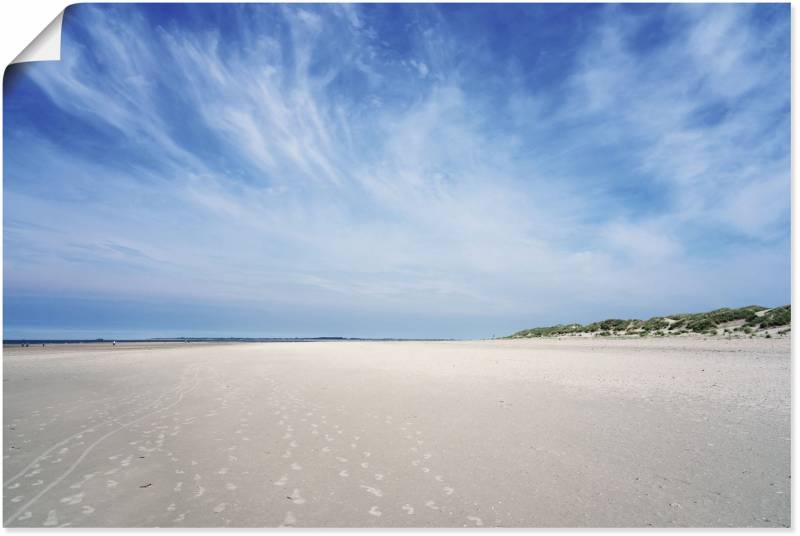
x=394, y=161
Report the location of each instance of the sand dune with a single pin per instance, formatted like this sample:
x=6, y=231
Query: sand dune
x=581, y=432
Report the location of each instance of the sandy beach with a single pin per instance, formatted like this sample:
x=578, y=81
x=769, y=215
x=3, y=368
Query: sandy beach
x=526, y=433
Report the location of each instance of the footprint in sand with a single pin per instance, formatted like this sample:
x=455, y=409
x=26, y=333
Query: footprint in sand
x=230, y=486
x=52, y=519
x=343, y=473
x=374, y=511
x=297, y=498
x=282, y=481
x=408, y=509
x=373, y=491
x=475, y=519
x=448, y=490
x=289, y=520
x=432, y=505
x=72, y=499
x=296, y=466
x=218, y=509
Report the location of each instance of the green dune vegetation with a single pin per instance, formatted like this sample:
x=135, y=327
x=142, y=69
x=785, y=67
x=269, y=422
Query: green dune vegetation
x=750, y=321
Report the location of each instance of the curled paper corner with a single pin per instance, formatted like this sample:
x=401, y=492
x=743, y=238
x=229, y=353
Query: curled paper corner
x=46, y=46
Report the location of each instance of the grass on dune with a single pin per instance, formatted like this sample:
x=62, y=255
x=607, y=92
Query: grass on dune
x=750, y=318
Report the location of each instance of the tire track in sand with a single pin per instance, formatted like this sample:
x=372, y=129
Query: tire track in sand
x=76, y=435
x=91, y=447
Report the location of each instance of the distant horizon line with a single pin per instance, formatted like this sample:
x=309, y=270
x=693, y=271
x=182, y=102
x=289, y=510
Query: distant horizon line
x=66, y=340
x=220, y=339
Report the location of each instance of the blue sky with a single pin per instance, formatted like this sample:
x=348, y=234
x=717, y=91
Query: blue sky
x=395, y=170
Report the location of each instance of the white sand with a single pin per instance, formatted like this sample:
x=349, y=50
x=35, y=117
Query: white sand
x=580, y=432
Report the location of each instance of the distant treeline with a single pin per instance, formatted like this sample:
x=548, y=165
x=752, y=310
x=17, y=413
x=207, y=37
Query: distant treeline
x=750, y=318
